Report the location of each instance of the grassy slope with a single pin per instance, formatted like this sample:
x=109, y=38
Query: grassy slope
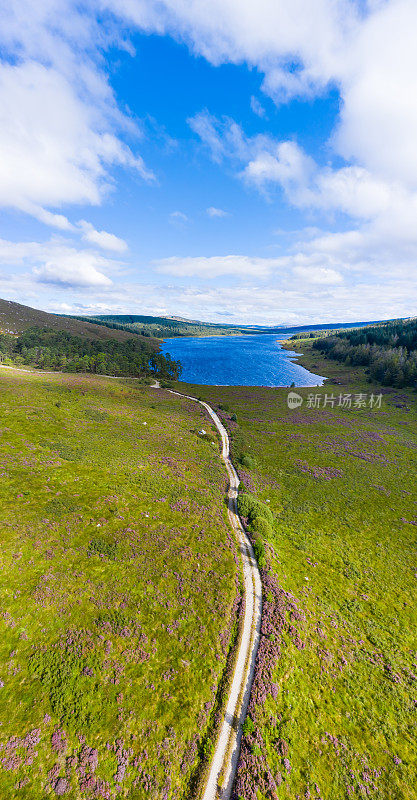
x=342, y=486
x=117, y=582
x=15, y=318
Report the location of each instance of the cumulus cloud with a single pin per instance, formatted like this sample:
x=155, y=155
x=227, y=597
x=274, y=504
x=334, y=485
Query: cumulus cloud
x=316, y=268
x=72, y=269
x=384, y=210
x=60, y=128
x=364, y=50
x=62, y=134
x=214, y=266
x=107, y=241
x=58, y=263
x=367, y=50
x=250, y=302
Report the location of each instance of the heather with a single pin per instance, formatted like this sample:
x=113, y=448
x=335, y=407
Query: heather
x=332, y=713
x=118, y=584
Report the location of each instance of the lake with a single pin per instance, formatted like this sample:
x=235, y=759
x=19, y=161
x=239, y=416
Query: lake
x=257, y=360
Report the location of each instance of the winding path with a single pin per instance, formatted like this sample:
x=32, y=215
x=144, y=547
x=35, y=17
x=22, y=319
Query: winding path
x=223, y=766
x=222, y=770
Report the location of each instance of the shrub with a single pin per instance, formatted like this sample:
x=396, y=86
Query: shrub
x=248, y=506
x=248, y=726
x=61, y=669
x=263, y=527
x=101, y=547
x=248, y=461
x=259, y=550
x=245, y=503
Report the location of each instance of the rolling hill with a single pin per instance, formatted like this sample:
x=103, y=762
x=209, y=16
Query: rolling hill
x=16, y=318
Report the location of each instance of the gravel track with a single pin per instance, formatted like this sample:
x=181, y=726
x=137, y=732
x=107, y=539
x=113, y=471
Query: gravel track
x=222, y=770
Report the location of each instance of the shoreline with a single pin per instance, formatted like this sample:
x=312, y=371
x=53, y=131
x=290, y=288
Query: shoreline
x=258, y=362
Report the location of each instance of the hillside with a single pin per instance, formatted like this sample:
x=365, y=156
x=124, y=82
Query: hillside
x=115, y=615
x=29, y=337
x=177, y=326
x=16, y=318
x=164, y=327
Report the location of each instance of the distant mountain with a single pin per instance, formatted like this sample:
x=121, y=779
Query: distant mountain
x=180, y=326
x=319, y=326
x=16, y=318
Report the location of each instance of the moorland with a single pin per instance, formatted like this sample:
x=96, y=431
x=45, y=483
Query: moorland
x=121, y=591
x=333, y=706
x=118, y=584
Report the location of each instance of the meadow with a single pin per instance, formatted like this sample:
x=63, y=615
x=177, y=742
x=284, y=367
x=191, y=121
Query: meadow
x=118, y=581
x=333, y=709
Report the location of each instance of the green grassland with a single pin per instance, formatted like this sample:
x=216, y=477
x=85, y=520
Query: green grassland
x=118, y=579
x=334, y=704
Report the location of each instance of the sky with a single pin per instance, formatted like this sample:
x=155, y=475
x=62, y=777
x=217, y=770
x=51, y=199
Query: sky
x=219, y=160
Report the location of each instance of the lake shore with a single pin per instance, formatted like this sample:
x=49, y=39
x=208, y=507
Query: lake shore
x=247, y=360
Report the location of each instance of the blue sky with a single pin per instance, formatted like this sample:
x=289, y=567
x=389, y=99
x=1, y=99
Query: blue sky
x=217, y=161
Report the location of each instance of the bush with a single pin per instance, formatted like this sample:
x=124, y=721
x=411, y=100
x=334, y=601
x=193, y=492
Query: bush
x=248, y=506
x=248, y=726
x=263, y=527
x=101, y=547
x=245, y=504
x=259, y=550
x=248, y=461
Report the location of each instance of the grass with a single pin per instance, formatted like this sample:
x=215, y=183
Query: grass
x=118, y=579
x=333, y=709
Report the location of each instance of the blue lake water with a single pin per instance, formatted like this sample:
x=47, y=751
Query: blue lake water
x=257, y=360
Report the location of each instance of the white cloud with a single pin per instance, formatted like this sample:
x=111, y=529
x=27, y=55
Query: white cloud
x=385, y=210
x=366, y=49
x=62, y=133
x=224, y=138
x=212, y=211
x=57, y=262
x=60, y=128
x=72, y=269
x=178, y=217
x=268, y=34
x=378, y=122
x=319, y=275
x=107, y=241
x=328, y=268
x=214, y=266
x=257, y=107
x=279, y=162
x=283, y=303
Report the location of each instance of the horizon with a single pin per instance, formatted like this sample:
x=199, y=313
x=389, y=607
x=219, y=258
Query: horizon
x=244, y=165
x=284, y=326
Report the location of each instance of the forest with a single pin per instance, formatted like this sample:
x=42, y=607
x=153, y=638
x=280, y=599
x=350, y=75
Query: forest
x=59, y=350
x=162, y=327
x=388, y=351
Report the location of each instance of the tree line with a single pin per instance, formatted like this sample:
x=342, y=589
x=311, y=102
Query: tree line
x=389, y=351
x=58, y=350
